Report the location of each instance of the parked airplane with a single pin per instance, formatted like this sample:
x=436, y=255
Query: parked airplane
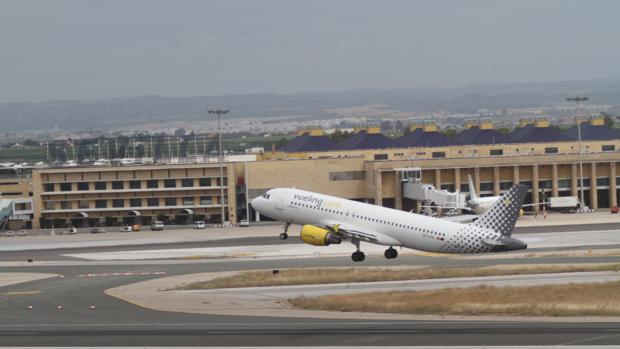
x=479, y=205
x=330, y=220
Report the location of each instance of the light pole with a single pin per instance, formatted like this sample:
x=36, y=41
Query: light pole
x=220, y=159
x=578, y=99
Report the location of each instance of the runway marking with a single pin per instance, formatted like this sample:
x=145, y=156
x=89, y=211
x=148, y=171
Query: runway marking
x=124, y=274
x=21, y=293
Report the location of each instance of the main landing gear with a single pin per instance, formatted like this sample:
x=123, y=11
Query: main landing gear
x=284, y=236
x=390, y=253
x=357, y=256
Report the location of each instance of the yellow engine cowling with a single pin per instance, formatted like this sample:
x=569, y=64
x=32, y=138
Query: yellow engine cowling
x=318, y=236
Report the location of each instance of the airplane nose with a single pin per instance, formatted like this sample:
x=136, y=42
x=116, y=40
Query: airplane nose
x=255, y=203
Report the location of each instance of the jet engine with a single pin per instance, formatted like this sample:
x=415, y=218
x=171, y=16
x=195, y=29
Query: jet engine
x=318, y=236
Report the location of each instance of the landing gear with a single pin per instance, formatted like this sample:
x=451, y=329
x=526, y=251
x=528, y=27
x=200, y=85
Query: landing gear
x=357, y=256
x=390, y=253
x=284, y=236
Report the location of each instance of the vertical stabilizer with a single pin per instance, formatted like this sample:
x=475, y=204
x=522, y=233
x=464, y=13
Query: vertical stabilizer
x=503, y=214
x=472, y=189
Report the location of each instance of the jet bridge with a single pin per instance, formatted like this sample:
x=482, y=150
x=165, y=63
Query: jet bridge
x=414, y=189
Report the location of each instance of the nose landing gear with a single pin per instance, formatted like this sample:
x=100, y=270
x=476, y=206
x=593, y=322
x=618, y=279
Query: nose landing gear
x=390, y=253
x=284, y=236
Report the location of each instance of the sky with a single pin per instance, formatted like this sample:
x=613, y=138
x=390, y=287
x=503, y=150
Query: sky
x=81, y=49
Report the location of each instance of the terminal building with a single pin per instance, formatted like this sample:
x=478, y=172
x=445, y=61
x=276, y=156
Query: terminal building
x=368, y=167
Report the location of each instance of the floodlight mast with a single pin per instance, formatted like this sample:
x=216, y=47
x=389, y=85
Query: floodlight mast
x=577, y=100
x=219, y=113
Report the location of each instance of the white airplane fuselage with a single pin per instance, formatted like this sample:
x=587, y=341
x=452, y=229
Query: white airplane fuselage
x=393, y=227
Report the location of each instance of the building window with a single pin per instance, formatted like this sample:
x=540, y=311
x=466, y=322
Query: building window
x=205, y=182
x=83, y=204
x=551, y=150
x=526, y=183
x=564, y=183
x=152, y=201
x=496, y=152
x=439, y=154
x=118, y=185
x=82, y=186
x=152, y=183
x=100, y=186
x=135, y=185
x=65, y=205
x=347, y=176
x=505, y=185
x=49, y=205
x=602, y=181
x=465, y=187
x=170, y=183
x=48, y=187
x=381, y=156
x=118, y=203
x=101, y=204
x=544, y=184
x=187, y=182
x=608, y=147
x=65, y=186
x=170, y=201
x=486, y=186
x=586, y=182
x=135, y=202
x=207, y=200
x=188, y=200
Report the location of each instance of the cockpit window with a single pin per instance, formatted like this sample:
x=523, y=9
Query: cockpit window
x=266, y=196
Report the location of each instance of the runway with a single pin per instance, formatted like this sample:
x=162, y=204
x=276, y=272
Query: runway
x=114, y=322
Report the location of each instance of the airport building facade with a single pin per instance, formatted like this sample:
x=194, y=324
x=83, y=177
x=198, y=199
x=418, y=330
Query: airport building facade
x=370, y=168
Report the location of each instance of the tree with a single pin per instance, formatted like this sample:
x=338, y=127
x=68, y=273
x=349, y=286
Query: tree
x=180, y=132
x=609, y=119
x=450, y=133
x=339, y=135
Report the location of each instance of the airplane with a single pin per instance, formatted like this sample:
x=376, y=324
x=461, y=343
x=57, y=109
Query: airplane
x=479, y=205
x=330, y=220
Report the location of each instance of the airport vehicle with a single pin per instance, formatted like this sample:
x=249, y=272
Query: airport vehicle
x=21, y=233
x=479, y=205
x=126, y=229
x=329, y=220
x=244, y=223
x=71, y=231
x=97, y=230
x=157, y=226
x=200, y=225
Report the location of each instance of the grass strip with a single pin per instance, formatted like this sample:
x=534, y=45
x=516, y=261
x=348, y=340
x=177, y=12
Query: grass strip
x=304, y=276
x=595, y=299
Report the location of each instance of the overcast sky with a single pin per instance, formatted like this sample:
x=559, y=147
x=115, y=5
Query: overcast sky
x=93, y=49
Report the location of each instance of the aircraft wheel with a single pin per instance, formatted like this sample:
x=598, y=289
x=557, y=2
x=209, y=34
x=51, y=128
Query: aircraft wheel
x=390, y=253
x=283, y=236
x=358, y=256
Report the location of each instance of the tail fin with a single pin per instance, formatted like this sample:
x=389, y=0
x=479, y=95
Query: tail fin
x=472, y=188
x=503, y=214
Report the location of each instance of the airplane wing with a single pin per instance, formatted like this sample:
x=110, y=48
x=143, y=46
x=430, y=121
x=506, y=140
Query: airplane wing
x=350, y=232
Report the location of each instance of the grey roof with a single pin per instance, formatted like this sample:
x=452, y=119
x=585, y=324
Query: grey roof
x=531, y=133
x=475, y=135
x=306, y=142
x=365, y=140
x=591, y=132
x=420, y=138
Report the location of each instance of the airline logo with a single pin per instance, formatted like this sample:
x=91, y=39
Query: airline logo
x=309, y=199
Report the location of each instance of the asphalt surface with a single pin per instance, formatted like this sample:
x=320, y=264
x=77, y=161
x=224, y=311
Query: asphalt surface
x=113, y=322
